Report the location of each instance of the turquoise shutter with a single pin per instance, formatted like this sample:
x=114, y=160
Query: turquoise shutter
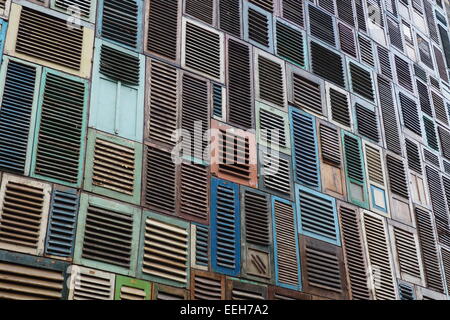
x=225, y=227
x=201, y=245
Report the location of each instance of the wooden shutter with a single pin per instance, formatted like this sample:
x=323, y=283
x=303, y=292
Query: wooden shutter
x=424, y=98
x=345, y=11
x=290, y=43
x=107, y=234
x=41, y=36
x=327, y=64
x=360, y=15
x=306, y=92
x=225, y=227
x=270, y=80
x=361, y=81
x=379, y=256
x=321, y=25
x=339, y=106
x=376, y=178
x=113, y=167
x=90, y=284
x=347, y=39
x=384, y=62
x=317, y=215
x=24, y=277
x=406, y=291
x=275, y=172
x=59, y=150
x=207, y=286
x=428, y=7
x=84, y=8
x=367, y=122
x=62, y=222
x=330, y=145
x=233, y=154
x=403, y=73
x=23, y=214
x=410, y=113
x=240, y=84
x=356, y=180
x=318, y=256
x=131, y=289
x=287, y=263
x=413, y=156
x=203, y=10
x=440, y=64
x=444, y=137
x=203, y=50
x=19, y=101
x=163, y=28
x=258, y=26
x=424, y=51
x=240, y=290
x=117, y=100
x=267, y=5
x=200, y=254
x=398, y=186
x=161, y=106
x=272, y=128
x=366, y=51
x=164, y=254
x=430, y=133
x=328, y=5
x=305, y=149
x=293, y=10
x=395, y=35
x=440, y=109
x=230, y=16
x=163, y=292
x=278, y=293
x=354, y=251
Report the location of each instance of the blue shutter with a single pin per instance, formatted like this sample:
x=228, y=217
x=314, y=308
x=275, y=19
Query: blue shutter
x=16, y=115
x=62, y=222
x=317, y=215
x=304, y=144
x=225, y=227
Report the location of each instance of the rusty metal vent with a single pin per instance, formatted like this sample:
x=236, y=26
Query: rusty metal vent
x=46, y=37
x=120, y=21
x=113, y=167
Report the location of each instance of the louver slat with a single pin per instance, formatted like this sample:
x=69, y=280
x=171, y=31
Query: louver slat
x=203, y=50
x=317, y=215
x=256, y=210
x=200, y=9
x=354, y=253
x=120, y=21
x=271, y=81
x=285, y=236
x=327, y=64
x=90, y=284
x=240, y=102
x=347, y=39
x=367, y=122
x=162, y=104
x=390, y=122
x=225, y=227
x=207, y=286
x=230, y=19
x=24, y=277
x=413, y=156
x=48, y=38
x=163, y=292
x=307, y=94
x=330, y=146
x=397, y=176
x=292, y=10
x=162, y=28
x=61, y=129
x=306, y=153
x=361, y=82
x=193, y=187
x=62, y=222
x=377, y=245
x=200, y=247
x=410, y=114
x=290, y=43
x=15, y=115
x=321, y=25
x=164, y=253
x=160, y=178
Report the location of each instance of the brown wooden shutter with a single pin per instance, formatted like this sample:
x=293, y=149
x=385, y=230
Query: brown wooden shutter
x=207, y=286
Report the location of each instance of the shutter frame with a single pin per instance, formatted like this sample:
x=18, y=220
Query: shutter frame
x=247, y=6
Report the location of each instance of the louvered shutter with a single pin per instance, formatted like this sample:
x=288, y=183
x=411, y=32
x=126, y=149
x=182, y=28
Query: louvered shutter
x=444, y=137
x=24, y=277
x=240, y=290
x=384, y=62
x=428, y=7
x=347, y=39
x=90, y=284
x=59, y=150
x=420, y=73
x=219, y=111
x=161, y=107
x=366, y=51
x=330, y=145
x=272, y=128
x=230, y=16
x=431, y=158
x=85, y=9
x=200, y=247
x=267, y=5
x=413, y=156
x=275, y=173
x=395, y=35
x=327, y=64
x=194, y=117
x=339, y=106
x=424, y=98
x=278, y=293
x=379, y=256
x=445, y=254
x=360, y=15
x=306, y=92
x=163, y=292
x=321, y=25
x=361, y=81
x=24, y=208
x=440, y=64
x=290, y=43
x=445, y=41
x=410, y=113
x=397, y=176
x=240, y=84
x=430, y=133
x=162, y=28
x=117, y=100
x=41, y=36
x=207, y=286
x=19, y=101
x=233, y=154
x=317, y=215
x=120, y=21
x=203, y=50
x=367, y=122
x=425, y=52
x=305, y=149
x=327, y=5
x=345, y=11
x=113, y=167
x=293, y=10
x=316, y=257
x=355, y=255
x=225, y=227
x=376, y=178
x=287, y=259
x=440, y=109
x=258, y=26
x=356, y=180
x=403, y=73
x=427, y=294
x=270, y=79
x=203, y=10
x=193, y=188
x=131, y=289
x=164, y=254
x=62, y=222
x=406, y=291
x=5, y=6
x=107, y=234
